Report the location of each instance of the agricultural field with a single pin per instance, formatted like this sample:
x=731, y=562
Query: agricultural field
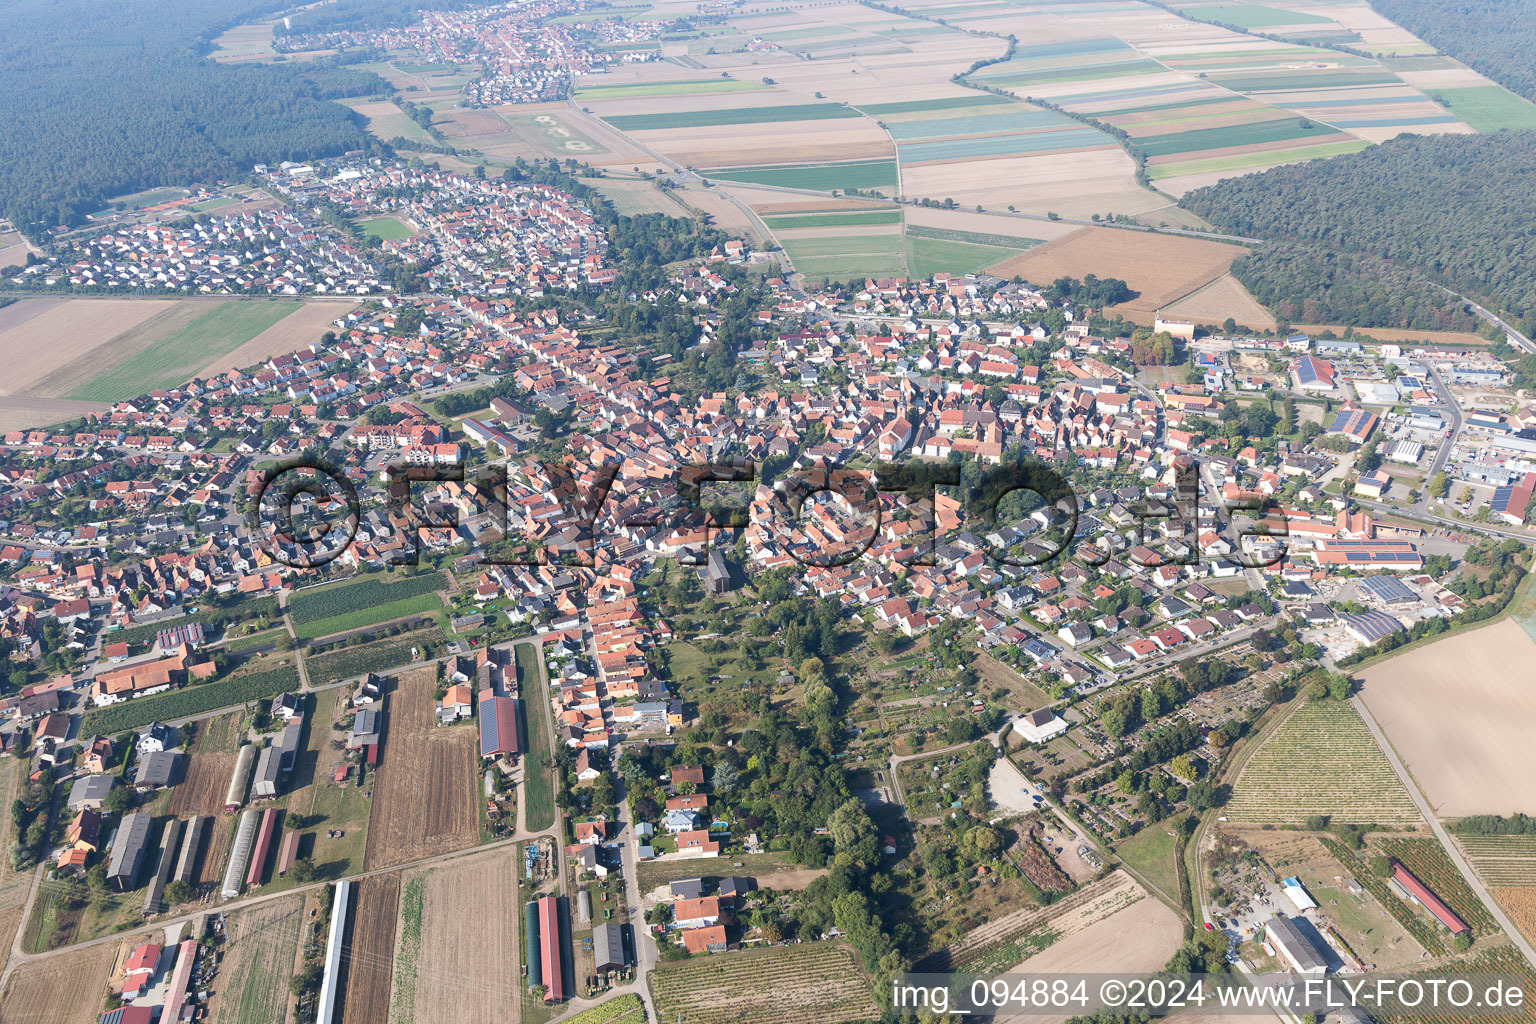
x=13, y=249
x=825, y=177
x=191, y=700
x=263, y=942
x=1456, y=716
x=1430, y=864
x=1505, y=960
x=363, y=601
x=693, y=87
x=1488, y=108
x=439, y=943
x=632, y=197
x=378, y=655
x=209, y=767
x=387, y=122
x=874, y=252
x=1152, y=852
x=425, y=789
x=66, y=989
x=1321, y=760
x=815, y=983
x=1222, y=298
x=1501, y=860
x=322, y=804
x=1162, y=268
x=538, y=781
x=369, y=953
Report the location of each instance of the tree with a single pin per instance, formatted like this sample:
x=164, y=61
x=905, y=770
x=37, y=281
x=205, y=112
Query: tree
x=723, y=778
x=852, y=832
x=1183, y=767
x=983, y=842
x=118, y=799
x=177, y=891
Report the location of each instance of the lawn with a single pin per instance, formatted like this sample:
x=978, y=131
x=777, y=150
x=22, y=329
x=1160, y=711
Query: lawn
x=171, y=361
x=1153, y=853
x=1488, y=108
x=819, y=177
x=362, y=601
x=731, y=115
x=1260, y=132
x=386, y=229
x=1246, y=16
x=691, y=88
x=538, y=783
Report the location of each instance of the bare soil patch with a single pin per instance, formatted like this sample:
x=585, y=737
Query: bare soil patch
x=1458, y=712
x=424, y=790
x=38, y=345
x=482, y=944
x=263, y=941
x=369, y=954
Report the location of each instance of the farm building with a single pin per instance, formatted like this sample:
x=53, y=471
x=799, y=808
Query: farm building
x=717, y=575
x=235, y=795
x=240, y=854
x=1369, y=627
x=1039, y=726
x=170, y=840
x=189, y=633
x=128, y=849
x=608, y=948
x=457, y=703
x=191, y=848
x=157, y=770
x=1298, y=895
x=1295, y=947
x=534, y=954
x=263, y=848
x=129, y=1015
x=288, y=852
x=269, y=766
x=1425, y=897
x=498, y=727
x=366, y=728
x=288, y=745
x=552, y=938
x=181, y=977
x=325, y=1012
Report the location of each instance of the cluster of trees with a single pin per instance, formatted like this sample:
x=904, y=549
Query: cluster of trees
x=1496, y=825
x=29, y=821
x=1368, y=237
x=1493, y=36
x=1090, y=291
x=103, y=100
x=1160, y=349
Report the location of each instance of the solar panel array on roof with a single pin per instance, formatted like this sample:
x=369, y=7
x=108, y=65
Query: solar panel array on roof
x=1388, y=590
x=1373, y=625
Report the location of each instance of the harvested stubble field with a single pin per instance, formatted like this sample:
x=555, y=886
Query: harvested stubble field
x=41, y=339
x=1161, y=267
x=262, y=943
x=369, y=953
x=815, y=983
x=1321, y=760
x=452, y=947
x=1458, y=716
x=65, y=989
x=424, y=788
x=1222, y=298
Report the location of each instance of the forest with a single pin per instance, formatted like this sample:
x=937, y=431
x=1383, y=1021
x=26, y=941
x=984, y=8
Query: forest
x=1492, y=36
x=1369, y=238
x=106, y=99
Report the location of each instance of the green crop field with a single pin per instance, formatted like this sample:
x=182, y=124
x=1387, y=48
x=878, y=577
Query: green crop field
x=693, y=88
x=379, y=656
x=171, y=361
x=1321, y=760
x=732, y=115
x=916, y=106
x=1246, y=16
x=1321, y=78
x=1431, y=865
x=927, y=256
x=1258, y=133
x=190, y=700
x=1003, y=145
x=538, y=783
x=1255, y=160
x=815, y=983
x=846, y=245
x=819, y=177
x=973, y=237
x=1502, y=860
x=834, y=220
x=386, y=229
x=1017, y=120
x=362, y=601
x=1488, y=108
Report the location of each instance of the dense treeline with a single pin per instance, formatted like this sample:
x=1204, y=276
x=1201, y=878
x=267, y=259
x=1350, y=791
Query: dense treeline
x=1495, y=825
x=103, y=99
x=1493, y=36
x=1367, y=237
x=341, y=15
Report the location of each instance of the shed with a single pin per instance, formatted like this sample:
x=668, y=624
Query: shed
x=608, y=948
x=268, y=767
x=288, y=852
x=288, y=745
x=128, y=847
x=263, y=847
x=1295, y=947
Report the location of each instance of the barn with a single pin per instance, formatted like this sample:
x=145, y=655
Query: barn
x=128, y=849
x=498, y=727
x=263, y=847
x=1426, y=898
x=552, y=936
